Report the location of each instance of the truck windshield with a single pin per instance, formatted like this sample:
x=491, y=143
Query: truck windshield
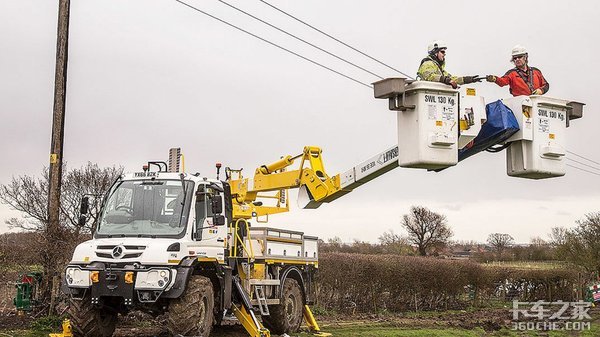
x=146, y=208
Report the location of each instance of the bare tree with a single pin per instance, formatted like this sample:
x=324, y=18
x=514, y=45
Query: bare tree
x=581, y=245
x=558, y=236
x=538, y=242
x=29, y=195
x=500, y=241
x=393, y=243
x=426, y=229
x=390, y=237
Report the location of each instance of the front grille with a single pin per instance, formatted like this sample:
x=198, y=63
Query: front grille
x=126, y=256
x=129, y=251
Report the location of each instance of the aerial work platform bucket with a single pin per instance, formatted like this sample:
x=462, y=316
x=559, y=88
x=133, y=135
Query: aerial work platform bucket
x=538, y=149
x=431, y=122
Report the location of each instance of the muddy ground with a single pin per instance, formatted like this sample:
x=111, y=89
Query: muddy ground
x=138, y=325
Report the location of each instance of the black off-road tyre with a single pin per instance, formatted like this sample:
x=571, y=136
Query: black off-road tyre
x=192, y=313
x=89, y=321
x=286, y=316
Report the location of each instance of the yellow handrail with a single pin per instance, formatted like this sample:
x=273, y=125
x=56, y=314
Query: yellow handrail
x=237, y=238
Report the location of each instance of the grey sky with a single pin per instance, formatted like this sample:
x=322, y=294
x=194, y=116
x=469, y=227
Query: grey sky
x=148, y=75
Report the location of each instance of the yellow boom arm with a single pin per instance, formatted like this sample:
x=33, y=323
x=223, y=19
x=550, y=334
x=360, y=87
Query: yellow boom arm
x=275, y=177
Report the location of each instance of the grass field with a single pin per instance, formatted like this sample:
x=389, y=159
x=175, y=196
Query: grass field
x=490, y=322
x=539, y=265
x=379, y=330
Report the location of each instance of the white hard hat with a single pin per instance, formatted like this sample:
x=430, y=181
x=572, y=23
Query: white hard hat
x=518, y=50
x=436, y=45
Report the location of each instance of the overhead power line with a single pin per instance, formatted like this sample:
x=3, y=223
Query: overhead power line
x=335, y=39
x=299, y=39
x=274, y=44
x=335, y=71
x=584, y=170
x=586, y=165
x=582, y=157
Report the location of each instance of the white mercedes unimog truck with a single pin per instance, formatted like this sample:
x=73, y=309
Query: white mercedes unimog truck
x=171, y=243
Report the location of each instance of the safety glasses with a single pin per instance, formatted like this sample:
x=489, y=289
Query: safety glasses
x=518, y=57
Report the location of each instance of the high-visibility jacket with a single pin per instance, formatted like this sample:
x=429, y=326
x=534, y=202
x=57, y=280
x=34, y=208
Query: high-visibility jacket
x=524, y=82
x=431, y=70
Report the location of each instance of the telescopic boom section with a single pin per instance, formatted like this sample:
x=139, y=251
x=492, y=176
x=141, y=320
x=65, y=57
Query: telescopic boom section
x=276, y=177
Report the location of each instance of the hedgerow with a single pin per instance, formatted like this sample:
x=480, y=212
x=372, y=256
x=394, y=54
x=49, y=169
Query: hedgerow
x=373, y=283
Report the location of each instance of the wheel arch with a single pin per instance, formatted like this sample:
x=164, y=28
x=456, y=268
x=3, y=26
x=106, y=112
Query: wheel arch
x=296, y=274
x=193, y=266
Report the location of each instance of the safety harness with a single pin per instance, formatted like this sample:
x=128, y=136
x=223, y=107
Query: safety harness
x=527, y=77
x=429, y=58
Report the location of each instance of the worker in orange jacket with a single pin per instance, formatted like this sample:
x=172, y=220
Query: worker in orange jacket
x=522, y=79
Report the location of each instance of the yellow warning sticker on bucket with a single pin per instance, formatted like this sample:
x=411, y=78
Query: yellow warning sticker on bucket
x=470, y=91
x=551, y=136
x=439, y=123
x=53, y=158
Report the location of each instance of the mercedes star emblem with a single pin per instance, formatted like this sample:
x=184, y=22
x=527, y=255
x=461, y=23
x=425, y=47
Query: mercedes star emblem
x=117, y=252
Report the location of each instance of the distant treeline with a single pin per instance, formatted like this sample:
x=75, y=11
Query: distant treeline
x=538, y=250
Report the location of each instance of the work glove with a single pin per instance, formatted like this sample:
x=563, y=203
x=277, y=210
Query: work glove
x=537, y=91
x=448, y=80
x=471, y=79
x=490, y=78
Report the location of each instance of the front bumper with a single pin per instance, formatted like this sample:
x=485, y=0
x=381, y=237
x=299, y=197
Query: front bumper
x=112, y=284
x=146, y=287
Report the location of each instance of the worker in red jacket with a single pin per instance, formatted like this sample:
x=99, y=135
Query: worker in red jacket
x=522, y=79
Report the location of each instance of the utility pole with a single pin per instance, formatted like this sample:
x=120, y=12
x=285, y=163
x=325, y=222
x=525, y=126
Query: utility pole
x=56, y=150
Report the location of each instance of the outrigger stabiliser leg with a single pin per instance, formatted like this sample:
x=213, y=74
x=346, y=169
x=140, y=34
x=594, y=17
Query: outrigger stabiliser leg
x=67, y=331
x=245, y=314
x=312, y=323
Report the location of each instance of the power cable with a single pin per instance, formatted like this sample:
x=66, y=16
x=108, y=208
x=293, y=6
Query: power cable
x=578, y=162
x=330, y=69
x=274, y=44
x=300, y=39
x=582, y=157
x=584, y=170
x=335, y=39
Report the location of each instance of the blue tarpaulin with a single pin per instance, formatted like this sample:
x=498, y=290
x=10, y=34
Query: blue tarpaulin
x=500, y=125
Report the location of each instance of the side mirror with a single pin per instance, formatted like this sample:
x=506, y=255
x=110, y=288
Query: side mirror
x=85, y=205
x=216, y=204
x=219, y=220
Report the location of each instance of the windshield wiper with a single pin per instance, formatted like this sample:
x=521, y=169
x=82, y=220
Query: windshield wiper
x=152, y=236
x=115, y=235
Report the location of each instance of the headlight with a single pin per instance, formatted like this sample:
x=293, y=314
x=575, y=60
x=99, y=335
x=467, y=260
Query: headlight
x=77, y=278
x=154, y=279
